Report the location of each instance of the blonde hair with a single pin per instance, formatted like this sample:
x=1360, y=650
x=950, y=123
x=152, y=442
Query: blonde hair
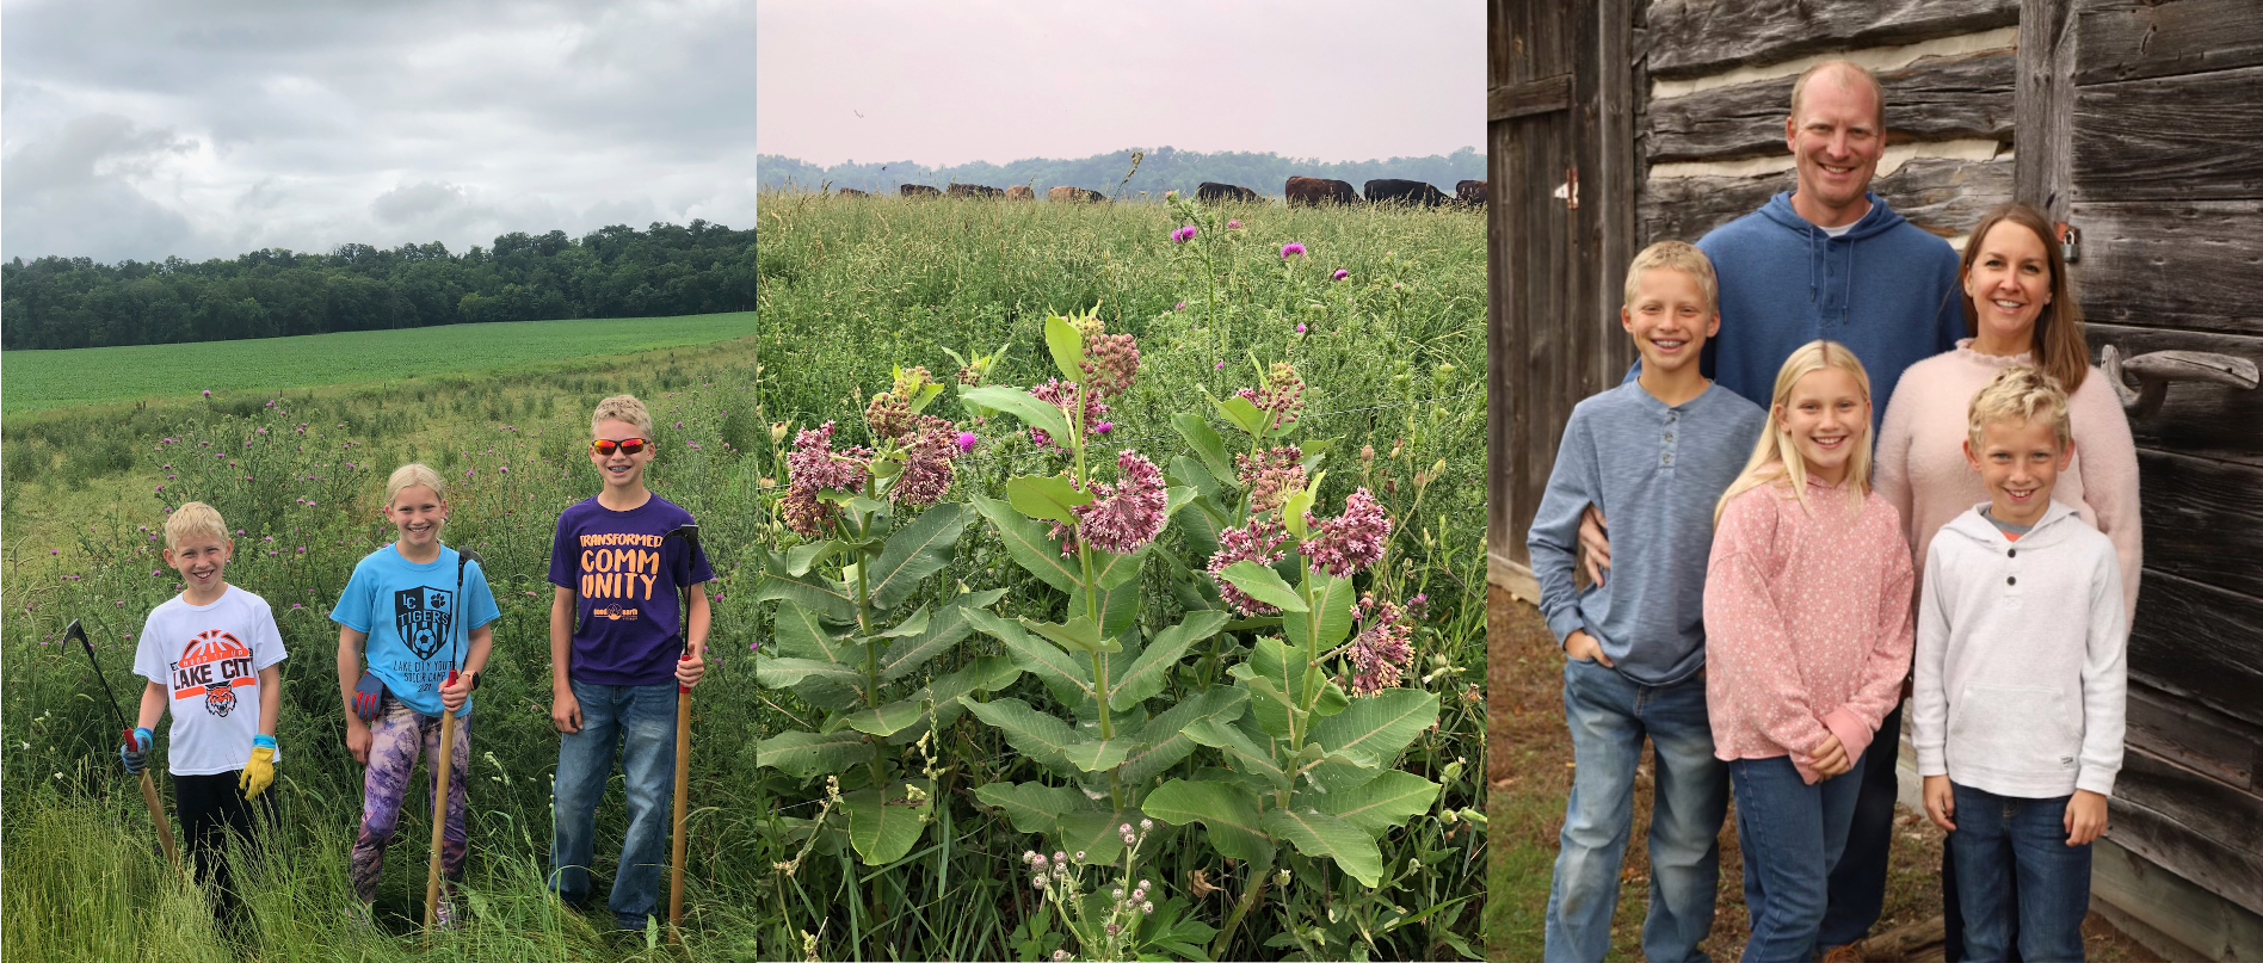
x=622, y=408
x=1775, y=460
x=1860, y=76
x=1679, y=256
x=415, y=473
x=2020, y=394
x=193, y=519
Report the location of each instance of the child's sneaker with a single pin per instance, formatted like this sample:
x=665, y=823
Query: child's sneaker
x=444, y=916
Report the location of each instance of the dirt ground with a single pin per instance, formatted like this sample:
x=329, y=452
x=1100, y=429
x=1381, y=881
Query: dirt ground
x=1529, y=767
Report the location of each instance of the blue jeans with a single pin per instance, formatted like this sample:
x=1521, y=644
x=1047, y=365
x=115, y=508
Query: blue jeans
x=2004, y=840
x=1791, y=834
x=1859, y=883
x=1609, y=715
x=642, y=720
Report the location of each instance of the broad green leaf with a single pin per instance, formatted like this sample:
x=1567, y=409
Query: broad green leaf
x=1329, y=621
x=1294, y=508
x=1028, y=543
x=806, y=755
x=1148, y=674
x=1207, y=445
x=1099, y=755
x=1031, y=807
x=1046, y=497
x=1081, y=634
x=949, y=626
x=812, y=590
x=1332, y=701
x=1034, y=655
x=1381, y=726
x=1165, y=737
x=1067, y=345
x=884, y=823
x=1188, y=472
x=1376, y=806
x=989, y=674
x=1119, y=606
x=1033, y=411
x=1228, y=813
x=866, y=505
x=786, y=671
x=912, y=625
x=1040, y=737
x=886, y=720
x=1199, y=522
x=800, y=558
x=916, y=552
x=1243, y=414
x=1264, y=585
x=927, y=396
x=1317, y=834
x=799, y=632
x=1096, y=833
x=1111, y=570
x=1271, y=706
x=1241, y=751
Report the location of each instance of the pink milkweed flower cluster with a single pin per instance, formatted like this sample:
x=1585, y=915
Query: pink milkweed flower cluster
x=1349, y=542
x=1111, y=361
x=815, y=467
x=1125, y=516
x=1271, y=475
x=1062, y=395
x=1183, y=235
x=1292, y=248
x=1382, y=648
x=927, y=464
x=1260, y=542
x=1283, y=393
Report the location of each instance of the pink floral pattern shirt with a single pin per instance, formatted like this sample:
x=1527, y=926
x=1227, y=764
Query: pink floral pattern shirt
x=1808, y=626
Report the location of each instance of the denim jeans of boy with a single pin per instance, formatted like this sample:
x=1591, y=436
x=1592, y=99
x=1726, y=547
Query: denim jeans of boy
x=2004, y=840
x=1609, y=715
x=1791, y=834
x=641, y=720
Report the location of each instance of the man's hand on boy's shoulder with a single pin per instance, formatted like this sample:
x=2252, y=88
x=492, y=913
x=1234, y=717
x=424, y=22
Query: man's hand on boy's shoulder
x=1595, y=548
x=2086, y=817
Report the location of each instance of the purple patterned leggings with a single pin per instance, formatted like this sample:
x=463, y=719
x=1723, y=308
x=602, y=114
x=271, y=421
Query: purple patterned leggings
x=396, y=739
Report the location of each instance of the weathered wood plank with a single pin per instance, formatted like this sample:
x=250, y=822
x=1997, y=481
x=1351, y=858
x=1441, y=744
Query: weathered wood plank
x=2190, y=137
x=2190, y=265
x=2044, y=106
x=1695, y=37
x=2206, y=861
x=2172, y=727
x=2201, y=521
x=1946, y=197
x=2131, y=40
x=1532, y=97
x=2215, y=928
x=2196, y=419
x=2198, y=641
x=1936, y=99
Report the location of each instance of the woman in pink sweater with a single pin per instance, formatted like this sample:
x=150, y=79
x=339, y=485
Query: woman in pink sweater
x=1808, y=638
x=2020, y=312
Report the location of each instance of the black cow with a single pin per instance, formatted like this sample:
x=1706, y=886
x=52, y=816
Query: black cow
x=1315, y=191
x=1472, y=193
x=974, y=190
x=1212, y=192
x=1387, y=190
x=918, y=190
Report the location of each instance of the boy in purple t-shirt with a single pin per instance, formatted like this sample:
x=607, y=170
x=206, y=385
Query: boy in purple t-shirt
x=617, y=654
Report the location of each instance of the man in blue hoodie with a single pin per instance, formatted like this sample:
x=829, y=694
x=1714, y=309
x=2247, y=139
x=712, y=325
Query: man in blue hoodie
x=1874, y=282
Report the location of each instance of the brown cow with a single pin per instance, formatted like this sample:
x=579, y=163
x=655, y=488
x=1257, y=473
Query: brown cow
x=1472, y=193
x=1065, y=193
x=1315, y=191
x=1212, y=192
x=918, y=190
x=1021, y=192
x=850, y=192
x=974, y=191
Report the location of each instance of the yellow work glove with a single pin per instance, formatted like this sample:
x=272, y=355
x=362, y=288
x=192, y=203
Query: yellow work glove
x=259, y=771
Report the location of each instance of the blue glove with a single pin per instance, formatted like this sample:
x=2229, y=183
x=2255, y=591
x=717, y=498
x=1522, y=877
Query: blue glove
x=135, y=752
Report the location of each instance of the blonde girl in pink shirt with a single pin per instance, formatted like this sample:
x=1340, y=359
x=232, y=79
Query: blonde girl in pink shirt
x=1808, y=638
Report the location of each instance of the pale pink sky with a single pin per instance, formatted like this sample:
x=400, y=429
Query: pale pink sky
x=1002, y=80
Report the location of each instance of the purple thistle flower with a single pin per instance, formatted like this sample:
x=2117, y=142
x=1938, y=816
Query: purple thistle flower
x=1233, y=224
x=1218, y=366
x=1292, y=248
x=1341, y=274
x=966, y=441
x=1104, y=428
x=1184, y=235
x=1349, y=542
x=1300, y=327
x=1259, y=542
x=208, y=393
x=1182, y=306
x=1129, y=514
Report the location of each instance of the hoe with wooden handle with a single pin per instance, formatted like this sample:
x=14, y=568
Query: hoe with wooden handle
x=148, y=784
x=440, y=761
x=690, y=533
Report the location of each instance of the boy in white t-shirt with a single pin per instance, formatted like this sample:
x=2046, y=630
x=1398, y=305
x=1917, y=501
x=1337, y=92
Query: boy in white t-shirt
x=210, y=654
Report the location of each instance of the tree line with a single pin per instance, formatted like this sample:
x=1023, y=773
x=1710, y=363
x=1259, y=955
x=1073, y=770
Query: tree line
x=1160, y=170
x=613, y=272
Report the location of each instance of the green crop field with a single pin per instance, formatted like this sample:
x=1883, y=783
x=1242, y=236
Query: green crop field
x=37, y=380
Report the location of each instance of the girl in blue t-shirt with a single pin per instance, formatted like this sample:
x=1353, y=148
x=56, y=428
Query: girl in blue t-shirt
x=424, y=611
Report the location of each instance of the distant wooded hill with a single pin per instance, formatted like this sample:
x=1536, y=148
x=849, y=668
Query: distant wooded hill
x=1163, y=169
x=613, y=272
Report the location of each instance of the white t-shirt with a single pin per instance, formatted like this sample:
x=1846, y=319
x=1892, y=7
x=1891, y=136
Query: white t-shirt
x=208, y=658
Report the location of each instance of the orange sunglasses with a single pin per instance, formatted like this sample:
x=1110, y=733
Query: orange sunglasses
x=628, y=446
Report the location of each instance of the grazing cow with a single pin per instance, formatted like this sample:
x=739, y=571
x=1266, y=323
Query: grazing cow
x=1388, y=190
x=1212, y=192
x=918, y=190
x=1315, y=191
x=850, y=192
x=1021, y=192
x=974, y=190
x=1065, y=193
x=1472, y=193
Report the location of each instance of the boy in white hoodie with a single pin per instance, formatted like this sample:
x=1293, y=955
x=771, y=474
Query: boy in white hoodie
x=2018, y=707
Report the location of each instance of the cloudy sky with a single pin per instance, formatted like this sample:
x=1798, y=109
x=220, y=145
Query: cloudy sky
x=141, y=129
x=1000, y=80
